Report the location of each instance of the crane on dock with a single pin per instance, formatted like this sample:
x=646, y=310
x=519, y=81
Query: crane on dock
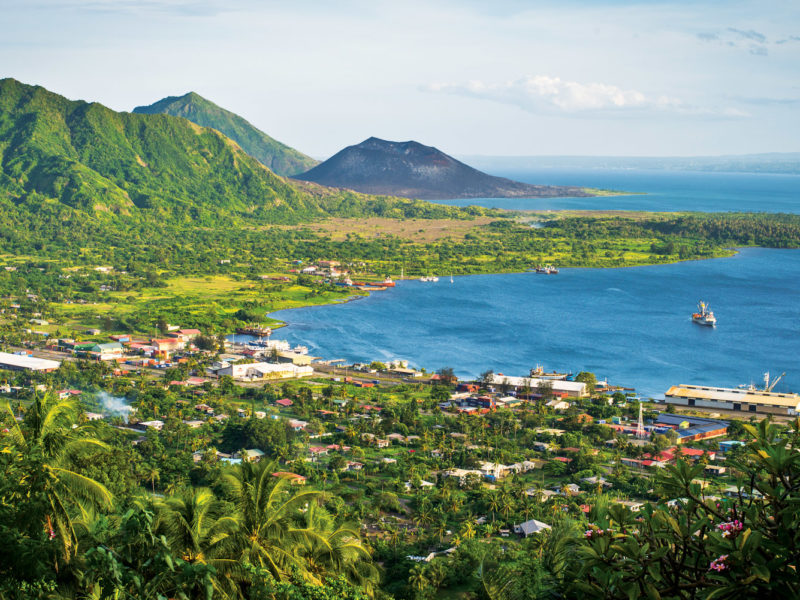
x=768, y=387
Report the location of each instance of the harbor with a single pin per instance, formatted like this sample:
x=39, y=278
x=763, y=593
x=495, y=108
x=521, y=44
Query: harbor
x=629, y=325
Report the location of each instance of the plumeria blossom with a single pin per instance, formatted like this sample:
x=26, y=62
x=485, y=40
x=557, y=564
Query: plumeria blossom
x=731, y=528
x=718, y=564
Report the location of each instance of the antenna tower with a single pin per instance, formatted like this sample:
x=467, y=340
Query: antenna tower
x=640, y=432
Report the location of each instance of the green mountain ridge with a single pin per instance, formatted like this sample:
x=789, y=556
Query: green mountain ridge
x=279, y=157
x=74, y=159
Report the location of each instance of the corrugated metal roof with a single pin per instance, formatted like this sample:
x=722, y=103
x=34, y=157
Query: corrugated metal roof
x=734, y=395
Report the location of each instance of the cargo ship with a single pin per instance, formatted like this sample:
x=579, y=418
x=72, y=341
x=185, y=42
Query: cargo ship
x=255, y=331
x=539, y=373
x=704, y=316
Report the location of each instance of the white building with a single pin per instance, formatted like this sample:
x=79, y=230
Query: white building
x=263, y=370
x=23, y=362
x=573, y=389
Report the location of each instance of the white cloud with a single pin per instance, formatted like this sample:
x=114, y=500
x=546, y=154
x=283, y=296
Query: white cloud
x=543, y=93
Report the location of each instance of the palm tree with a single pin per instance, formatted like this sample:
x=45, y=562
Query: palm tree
x=46, y=443
x=278, y=531
x=337, y=550
x=194, y=524
x=441, y=528
x=417, y=579
x=153, y=475
x=467, y=530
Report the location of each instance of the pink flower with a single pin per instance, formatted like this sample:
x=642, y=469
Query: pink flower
x=731, y=528
x=52, y=534
x=718, y=564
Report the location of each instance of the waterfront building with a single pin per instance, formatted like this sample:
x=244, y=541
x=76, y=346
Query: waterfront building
x=691, y=429
x=746, y=400
x=573, y=389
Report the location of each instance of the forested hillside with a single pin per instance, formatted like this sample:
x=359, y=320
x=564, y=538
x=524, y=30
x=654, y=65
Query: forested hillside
x=56, y=153
x=279, y=157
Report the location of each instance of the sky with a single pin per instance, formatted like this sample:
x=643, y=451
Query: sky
x=502, y=77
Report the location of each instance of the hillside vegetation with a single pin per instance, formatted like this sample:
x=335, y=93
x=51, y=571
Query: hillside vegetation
x=59, y=154
x=279, y=157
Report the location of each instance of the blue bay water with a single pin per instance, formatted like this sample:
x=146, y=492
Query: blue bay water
x=631, y=325
x=655, y=191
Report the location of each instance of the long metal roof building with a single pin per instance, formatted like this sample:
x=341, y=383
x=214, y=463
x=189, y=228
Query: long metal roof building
x=748, y=400
x=23, y=362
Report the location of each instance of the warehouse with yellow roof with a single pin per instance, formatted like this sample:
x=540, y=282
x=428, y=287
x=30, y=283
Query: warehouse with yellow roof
x=745, y=400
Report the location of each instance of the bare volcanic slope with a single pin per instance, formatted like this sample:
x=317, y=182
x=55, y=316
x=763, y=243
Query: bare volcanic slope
x=411, y=170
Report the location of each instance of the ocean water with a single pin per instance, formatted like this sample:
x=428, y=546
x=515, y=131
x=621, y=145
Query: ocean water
x=656, y=191
x=629, y=325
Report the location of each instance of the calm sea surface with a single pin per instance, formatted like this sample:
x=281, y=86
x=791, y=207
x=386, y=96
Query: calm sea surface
x=631, y=325
x=660, y=191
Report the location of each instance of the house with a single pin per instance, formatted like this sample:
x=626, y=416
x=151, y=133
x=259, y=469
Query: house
x=317, y=451
x=569, y=489
x=185, y=335
x=260, y=414
x=463, y=474
x=381, y=443
x=542, y=495
x=632, y=505
x=595, y=480
x=353, y=465
x=493, y=471
x=204, y=408
x=194, y=424
x=557, y=404
x=164, y=345
x=297, y=425
x=156, y=424
x=91, y=416
x=293, y=478
x=714, y=470
x=423, y=484
x=284, y=402
x=728, y=445
x=529, y=528
x=395, y=437
x=250, y=455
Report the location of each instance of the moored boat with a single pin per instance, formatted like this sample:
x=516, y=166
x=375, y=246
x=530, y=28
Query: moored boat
x=255, y=330
x=546, y=270
x=704, y=316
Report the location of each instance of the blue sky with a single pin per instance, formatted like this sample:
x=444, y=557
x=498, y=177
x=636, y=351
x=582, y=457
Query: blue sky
x=498, y=78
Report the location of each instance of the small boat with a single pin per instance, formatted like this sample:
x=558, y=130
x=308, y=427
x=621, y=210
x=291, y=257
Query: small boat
x=385, y=283
x=255, y=330
x=432, y=278
x=704, y=316
x=451, y=278
x=546, y=270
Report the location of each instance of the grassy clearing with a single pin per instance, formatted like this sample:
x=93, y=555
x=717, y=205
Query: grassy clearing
x=414, y=230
